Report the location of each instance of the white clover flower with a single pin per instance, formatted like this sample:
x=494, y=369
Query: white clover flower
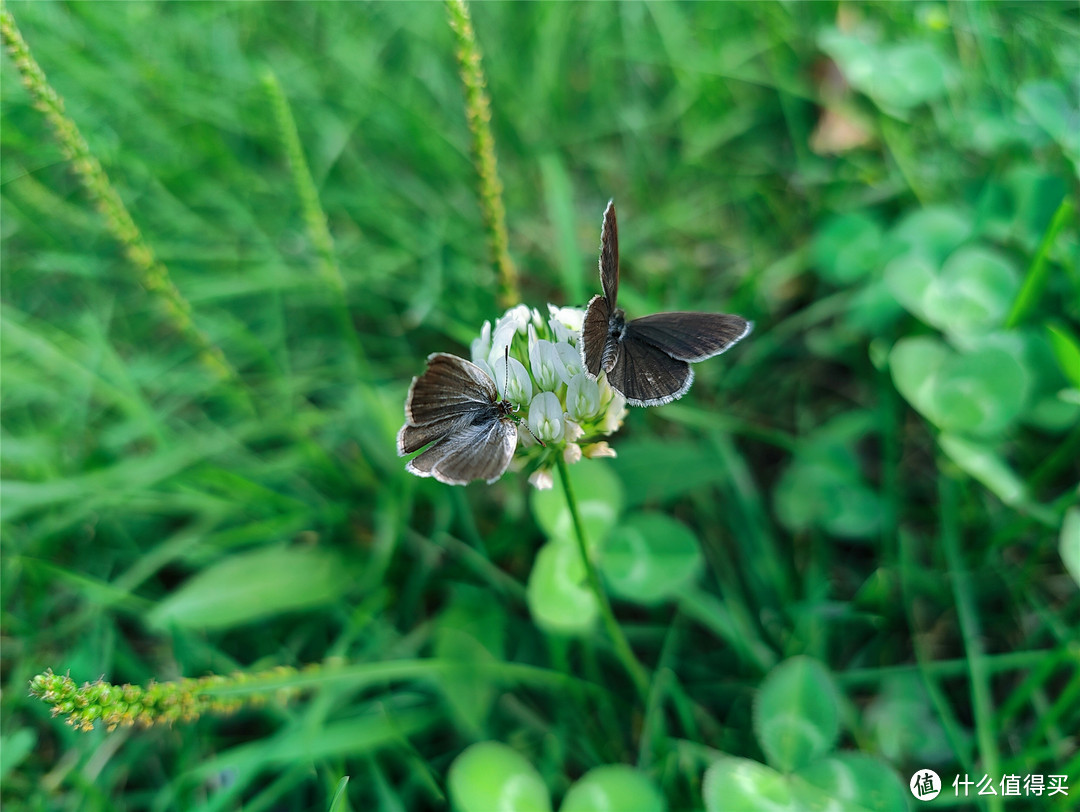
x=480, y=348
x=571, y=360
x=565, y=322
x=542, y=480
x=582, y=397
x=546, y=417
x=548, y=368
x=518, y=383
x=595, y=450
x=568, y=411
x=574, y=431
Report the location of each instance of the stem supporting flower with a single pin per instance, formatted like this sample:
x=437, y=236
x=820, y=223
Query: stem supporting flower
x=622, y=646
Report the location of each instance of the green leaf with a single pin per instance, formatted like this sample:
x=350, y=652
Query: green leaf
x=650, y=557
x=797, y=716
x=15, y=746
x=558, y=594
x=973, y=293
x=823, y=487
x=983, y=464
x=254, y=585
x=904, y=725
x=613, y=788
x=969, y=296
x=907, y=75
x=1069, y=545
x=933, y=233
x=1066, y=350
x=851, y=782
x=896, y=77
x=847, y=248
x=599, y=495
x=340, y=801
x=491, y=777
x=978, y=393
x=1049, y=105
x=471, y=632
x=739, y=783
x=658, y=470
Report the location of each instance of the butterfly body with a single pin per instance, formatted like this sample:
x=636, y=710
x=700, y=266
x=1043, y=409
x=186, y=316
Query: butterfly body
x=454, y=408
x=647, y=360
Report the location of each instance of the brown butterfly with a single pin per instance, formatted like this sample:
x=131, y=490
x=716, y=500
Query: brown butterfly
x=647, y=360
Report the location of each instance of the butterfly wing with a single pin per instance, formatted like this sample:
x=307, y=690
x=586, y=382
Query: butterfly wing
x=609, y=256
x=594, y=335
x=647, y=376
x=449, y=387
x=689, y=336
x=453, y=406
x=481, y=449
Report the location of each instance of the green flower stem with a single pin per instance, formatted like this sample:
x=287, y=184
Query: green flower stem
x=478, y=114
x=151, y=273
x=622, y=646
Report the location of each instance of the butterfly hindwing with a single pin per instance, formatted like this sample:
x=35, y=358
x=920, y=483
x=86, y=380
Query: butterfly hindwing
x=479, y=451
x=647, y=376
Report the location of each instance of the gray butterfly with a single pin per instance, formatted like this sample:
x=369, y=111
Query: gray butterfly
x=647, y=360
x=455, y=406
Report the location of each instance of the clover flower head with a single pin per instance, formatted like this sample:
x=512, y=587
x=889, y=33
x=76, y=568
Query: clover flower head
x=539, y=361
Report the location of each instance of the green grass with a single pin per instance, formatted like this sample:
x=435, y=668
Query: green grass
x=878, y=477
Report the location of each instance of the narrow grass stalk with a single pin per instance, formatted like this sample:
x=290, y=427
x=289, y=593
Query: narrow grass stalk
x=315, y=220
x=151, y=273
x=314, y=216
x=622, y=646
x=1038, y=270
x=970, y=630
x=478, y=114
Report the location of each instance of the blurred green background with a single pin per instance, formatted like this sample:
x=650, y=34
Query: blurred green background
x=882, y=477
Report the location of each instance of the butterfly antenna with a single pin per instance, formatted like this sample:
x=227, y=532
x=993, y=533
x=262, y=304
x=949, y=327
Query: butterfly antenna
x=506, y=369
x=506, y=383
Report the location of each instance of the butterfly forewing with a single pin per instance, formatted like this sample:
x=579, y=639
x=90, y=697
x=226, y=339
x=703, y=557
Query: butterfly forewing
x=609, y=256
x=647, y=376
x=449, y=386
x=689, y=336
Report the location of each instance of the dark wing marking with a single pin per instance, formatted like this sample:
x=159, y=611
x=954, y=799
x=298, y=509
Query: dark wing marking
x=689, y=336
